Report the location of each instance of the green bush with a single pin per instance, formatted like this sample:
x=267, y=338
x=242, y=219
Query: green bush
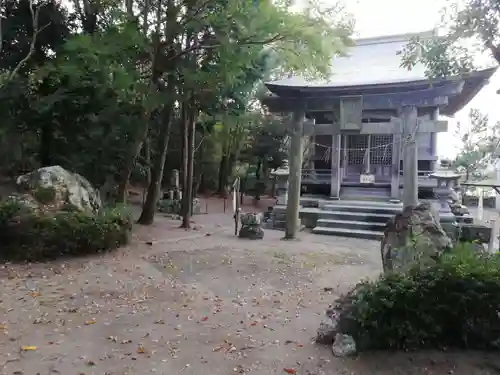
x=454, y=303
x=30, y=236
x=44, y=194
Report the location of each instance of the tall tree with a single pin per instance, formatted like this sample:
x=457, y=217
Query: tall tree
x=479, y=142
x=470, y=29
x=216, y=47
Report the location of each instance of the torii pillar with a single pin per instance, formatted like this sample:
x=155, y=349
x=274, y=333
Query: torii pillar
x=295, y=173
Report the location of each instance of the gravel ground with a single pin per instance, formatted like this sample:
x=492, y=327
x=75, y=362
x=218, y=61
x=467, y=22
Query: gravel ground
x=196, y=302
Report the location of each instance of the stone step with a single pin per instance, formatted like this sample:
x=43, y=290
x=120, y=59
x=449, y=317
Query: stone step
x=368, y=208
x=358, y=202
x=356, y=216
x=351, y=224
x=353, y=233
x=279, y=224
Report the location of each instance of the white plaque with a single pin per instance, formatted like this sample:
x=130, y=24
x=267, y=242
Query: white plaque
x=367, y=179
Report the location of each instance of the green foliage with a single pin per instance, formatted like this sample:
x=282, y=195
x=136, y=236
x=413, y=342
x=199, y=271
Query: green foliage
x=100, y=78
x=267, y=142
x=45, y=194
x=471, y=31
x=30, y=236
x=453, y=303
x=479, y=142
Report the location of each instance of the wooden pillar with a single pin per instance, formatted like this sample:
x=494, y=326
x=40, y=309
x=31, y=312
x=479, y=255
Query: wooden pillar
x=410, y=157
x=294, y=178
x=336, y=176
x=396, y=163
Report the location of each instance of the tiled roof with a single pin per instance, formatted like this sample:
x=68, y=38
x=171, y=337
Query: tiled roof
x=371, y=61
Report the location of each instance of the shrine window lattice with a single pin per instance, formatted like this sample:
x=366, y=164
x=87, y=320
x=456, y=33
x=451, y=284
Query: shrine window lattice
x=356, y=149
x=380, y=149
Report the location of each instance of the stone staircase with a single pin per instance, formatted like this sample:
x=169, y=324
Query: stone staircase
x=363, y=217
x=360, y=219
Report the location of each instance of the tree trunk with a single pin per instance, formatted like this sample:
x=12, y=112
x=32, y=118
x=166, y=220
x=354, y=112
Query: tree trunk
x=147, y=157
x=90, y=12
x=200, y=179
x=142, y=132
x=258, y=184
x=46, y=138
x=223, y=175
x=126, y=172
x=154, y=188
x=230, y=166
x=187, y=197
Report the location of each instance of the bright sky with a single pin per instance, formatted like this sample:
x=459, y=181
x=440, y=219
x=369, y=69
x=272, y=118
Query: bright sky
x=386, y=17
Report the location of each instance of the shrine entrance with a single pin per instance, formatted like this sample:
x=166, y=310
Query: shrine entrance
x=367, y=159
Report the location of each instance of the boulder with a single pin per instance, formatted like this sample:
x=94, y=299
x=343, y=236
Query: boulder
x=343, y=346
x=54, y=188
x=414, y=236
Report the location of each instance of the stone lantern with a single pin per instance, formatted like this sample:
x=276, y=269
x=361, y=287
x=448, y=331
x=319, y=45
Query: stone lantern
x=281, y=178
x=446, y=182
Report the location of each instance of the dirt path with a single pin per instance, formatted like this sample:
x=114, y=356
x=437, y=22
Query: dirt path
x=197, y=302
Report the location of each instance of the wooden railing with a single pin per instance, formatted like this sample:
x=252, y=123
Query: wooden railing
x=324, y=176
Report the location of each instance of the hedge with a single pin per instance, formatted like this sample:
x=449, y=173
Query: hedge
x=452, y=304
x=30, y=236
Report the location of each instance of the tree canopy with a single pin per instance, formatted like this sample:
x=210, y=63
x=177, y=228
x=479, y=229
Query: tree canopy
x=469, y=37
x=126, y=91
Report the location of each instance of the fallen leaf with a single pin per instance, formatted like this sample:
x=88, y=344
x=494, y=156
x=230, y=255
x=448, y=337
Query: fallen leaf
x=29, y=348
x=141, y=350
x=290, y=370
x=91, y=321
x=35, y=294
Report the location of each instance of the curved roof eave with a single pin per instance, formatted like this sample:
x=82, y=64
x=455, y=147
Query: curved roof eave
x=473, y=83
x=297, y=85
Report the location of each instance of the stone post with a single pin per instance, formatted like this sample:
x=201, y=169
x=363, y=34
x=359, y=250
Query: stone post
x=295, y=174
x=174, y=182
x=396, y=158
x=480, y=209
x=497, y=172
x=410, y=157
x=494, y=235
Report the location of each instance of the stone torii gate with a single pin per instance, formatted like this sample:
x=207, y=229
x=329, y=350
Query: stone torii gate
x=299, y=100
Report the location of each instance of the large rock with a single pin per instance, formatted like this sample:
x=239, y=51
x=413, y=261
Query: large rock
x=54, y=188
x=413, y=237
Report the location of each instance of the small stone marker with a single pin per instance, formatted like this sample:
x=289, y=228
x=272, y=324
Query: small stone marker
x=251, y=226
